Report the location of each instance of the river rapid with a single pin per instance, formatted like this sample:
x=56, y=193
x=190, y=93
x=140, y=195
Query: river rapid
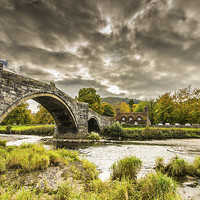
x=105, y=154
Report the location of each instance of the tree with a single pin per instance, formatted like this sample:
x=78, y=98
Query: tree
x=165, y=108
x=108, y=110
x=124, y=107
x=131, y=103
x=19, y=116
x=141, y=106
x=88, y=95
x=43, y=116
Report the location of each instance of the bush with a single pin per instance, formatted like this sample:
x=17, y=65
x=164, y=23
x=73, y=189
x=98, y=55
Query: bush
x=126, y=168
x=115, y=130
x=3, y=143
x=8, y=129
x=93, y=136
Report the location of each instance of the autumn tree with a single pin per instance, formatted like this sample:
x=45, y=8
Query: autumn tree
x=21, y=115
x=43, y=116
x=124, y=107
x=88, y=95
x=165, y=108
x=108, y=110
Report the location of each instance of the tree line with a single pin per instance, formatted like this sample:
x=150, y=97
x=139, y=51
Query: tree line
x=182, y=106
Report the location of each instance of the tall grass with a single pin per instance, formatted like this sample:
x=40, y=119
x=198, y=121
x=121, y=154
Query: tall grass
x=126, y=168
x=31, y=157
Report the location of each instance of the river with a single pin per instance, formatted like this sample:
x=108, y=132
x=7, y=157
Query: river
x=104, y=155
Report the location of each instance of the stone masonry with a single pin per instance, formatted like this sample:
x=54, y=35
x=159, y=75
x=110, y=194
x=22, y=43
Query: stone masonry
x=71, y=117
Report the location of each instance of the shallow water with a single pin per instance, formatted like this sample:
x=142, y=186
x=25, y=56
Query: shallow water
x=105, y=156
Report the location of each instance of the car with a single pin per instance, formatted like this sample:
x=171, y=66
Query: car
x=187, y=124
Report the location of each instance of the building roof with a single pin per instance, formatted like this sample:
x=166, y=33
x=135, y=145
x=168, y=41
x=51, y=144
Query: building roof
x=143, y=115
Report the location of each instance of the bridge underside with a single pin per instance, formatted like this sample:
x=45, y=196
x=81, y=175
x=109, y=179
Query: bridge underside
x=65, y=124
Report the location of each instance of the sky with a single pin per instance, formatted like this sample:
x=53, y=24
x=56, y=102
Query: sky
x=131, y=48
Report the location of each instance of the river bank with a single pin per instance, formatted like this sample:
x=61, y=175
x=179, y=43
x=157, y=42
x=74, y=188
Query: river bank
x=106, y=153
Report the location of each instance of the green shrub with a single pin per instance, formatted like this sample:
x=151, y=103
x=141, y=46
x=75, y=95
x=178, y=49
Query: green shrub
x=3, y=143
x=93, y=136
x=8, y=129
x=126, y=168
x=114, y=130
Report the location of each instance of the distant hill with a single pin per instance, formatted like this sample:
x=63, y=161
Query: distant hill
x=114, y=100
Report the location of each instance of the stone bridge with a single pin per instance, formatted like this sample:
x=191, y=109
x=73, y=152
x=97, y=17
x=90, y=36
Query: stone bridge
x=72, y=119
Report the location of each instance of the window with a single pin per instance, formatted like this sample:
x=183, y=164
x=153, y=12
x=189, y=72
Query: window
x=139, y=118
x=130, y=119
x=136, y=123
x=123, y=118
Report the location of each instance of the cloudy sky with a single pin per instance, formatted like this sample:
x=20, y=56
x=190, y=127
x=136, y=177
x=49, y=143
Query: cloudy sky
x=133, y=48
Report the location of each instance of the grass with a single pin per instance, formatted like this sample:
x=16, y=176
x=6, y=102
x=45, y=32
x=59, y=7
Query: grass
x=28, y=130
x=81, y=181
x=178, y=167
x=32, y=157
x=126, y=168
x=25, y=127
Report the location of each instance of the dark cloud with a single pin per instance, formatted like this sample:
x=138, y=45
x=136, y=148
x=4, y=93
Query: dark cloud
x=138, y=49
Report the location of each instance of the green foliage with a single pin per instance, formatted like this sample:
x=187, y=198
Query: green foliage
x=3, y=142
x=88, y=95
x=93, y=136
x=126, y=168
x=43, y=116
x=115, y=130
x=19, y=115
x=8, y=129
x=108, y=110
x=181, y=107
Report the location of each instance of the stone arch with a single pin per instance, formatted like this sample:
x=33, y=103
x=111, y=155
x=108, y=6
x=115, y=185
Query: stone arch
x=60, y=111
x=93, y=125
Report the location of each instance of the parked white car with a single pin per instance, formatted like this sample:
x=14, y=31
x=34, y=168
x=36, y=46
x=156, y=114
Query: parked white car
x=177, y=124
x=187, y=124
